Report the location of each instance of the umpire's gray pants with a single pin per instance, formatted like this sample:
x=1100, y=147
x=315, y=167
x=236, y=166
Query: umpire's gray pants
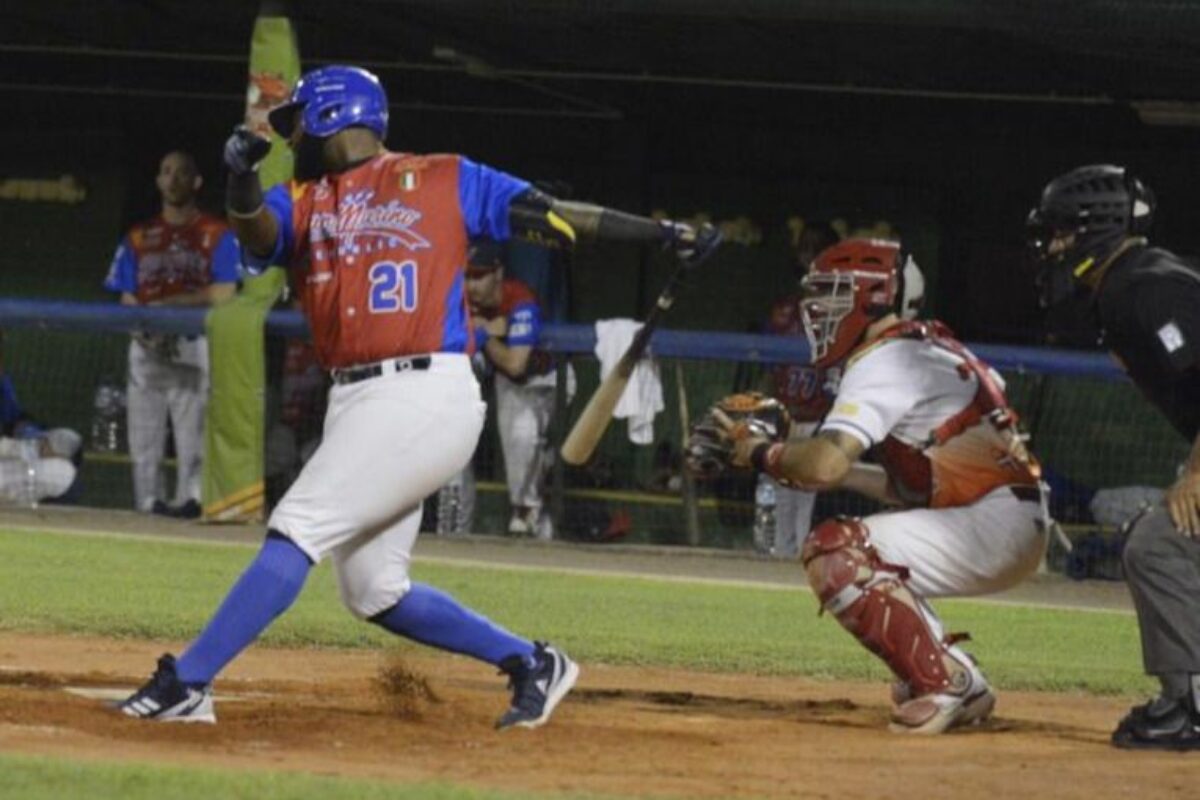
x=1162, y=567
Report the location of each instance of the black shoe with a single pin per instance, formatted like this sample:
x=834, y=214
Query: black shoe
x=189, y=510
x=1159, y=725
x=161, y=509
x=538, y=689
x=167, y=699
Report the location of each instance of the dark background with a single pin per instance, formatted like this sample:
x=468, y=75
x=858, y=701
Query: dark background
x=945, y=118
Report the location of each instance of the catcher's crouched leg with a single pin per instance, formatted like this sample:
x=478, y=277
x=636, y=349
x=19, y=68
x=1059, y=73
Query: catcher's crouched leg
x=871, y=600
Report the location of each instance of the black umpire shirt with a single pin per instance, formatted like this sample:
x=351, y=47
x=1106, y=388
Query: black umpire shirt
x=1149, y=310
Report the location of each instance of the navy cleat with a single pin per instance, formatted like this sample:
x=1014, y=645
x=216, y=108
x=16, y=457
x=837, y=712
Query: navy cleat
x=537, y=690
x=166, y=699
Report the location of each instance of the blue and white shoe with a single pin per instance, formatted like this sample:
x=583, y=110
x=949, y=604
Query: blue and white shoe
x=166, y=699
x=537, y=690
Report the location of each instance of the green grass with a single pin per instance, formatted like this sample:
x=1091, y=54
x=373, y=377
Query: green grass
x=29, y=778
x=155, y=589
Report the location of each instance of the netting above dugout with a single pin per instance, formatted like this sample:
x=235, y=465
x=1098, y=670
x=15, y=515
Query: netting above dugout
x=1090, y=427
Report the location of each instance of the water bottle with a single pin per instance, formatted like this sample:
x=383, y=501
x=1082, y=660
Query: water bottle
x=107, y=411
x=29, y=457
x=764, y=515
x=448, y=502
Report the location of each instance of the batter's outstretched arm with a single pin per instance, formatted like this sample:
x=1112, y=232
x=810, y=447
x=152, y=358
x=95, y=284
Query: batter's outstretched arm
x=537, y=216
x=255, y=225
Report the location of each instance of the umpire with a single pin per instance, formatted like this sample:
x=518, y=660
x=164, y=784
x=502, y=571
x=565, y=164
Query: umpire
x=1089, y=235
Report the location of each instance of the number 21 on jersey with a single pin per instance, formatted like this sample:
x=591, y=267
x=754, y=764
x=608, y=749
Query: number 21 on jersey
x=393, y=287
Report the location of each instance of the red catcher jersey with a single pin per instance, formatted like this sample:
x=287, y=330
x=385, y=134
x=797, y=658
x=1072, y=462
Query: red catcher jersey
x=800, y=387
x=377, y=252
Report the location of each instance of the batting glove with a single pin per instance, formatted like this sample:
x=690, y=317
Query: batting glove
x=693, y=246
x=244, y=150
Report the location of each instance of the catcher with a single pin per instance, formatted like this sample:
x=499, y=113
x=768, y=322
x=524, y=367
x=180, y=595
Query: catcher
x=936, y=419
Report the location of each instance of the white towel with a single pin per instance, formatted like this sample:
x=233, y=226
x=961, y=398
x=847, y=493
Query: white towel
x=643, y=396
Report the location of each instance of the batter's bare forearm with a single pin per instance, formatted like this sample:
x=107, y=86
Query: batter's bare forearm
x=255, y=224
x=538, y=217
x=596, y=222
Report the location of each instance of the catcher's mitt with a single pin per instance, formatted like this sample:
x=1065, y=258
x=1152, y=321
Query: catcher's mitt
x=710, y=440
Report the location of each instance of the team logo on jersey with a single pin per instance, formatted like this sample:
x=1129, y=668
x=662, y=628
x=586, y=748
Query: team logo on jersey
x=410, y=180
x=359, y=224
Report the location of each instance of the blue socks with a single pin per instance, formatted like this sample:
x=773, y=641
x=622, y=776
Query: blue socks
x=266, y=589
x=432, y=617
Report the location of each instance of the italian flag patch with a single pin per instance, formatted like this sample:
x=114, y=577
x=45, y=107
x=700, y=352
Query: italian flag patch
x=409, y=180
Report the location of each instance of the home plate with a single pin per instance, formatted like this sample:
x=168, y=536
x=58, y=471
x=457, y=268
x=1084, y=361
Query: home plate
x=118, y=694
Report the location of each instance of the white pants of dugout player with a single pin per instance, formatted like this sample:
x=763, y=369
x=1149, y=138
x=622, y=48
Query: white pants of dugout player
x=523, y=412
x=163, y=385
x=875, y=575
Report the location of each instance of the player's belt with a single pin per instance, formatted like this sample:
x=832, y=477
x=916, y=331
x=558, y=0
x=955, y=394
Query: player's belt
x=347, y=375
x=1030, y=493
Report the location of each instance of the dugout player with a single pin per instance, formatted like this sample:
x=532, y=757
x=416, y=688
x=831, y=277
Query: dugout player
x=507, y=321
x=936, y=418
x=376, y=242
x=181, y=257
x=1088, y=231
x=801, y=388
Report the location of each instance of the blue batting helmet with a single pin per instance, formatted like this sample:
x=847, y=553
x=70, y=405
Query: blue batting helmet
x=332, y=99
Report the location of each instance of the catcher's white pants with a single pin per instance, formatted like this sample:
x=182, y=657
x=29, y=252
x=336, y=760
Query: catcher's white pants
x=388, y=443
x=523, y=413
x=985, y=547
x=162, y=386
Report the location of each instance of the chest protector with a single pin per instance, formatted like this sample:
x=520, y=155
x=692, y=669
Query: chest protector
x=970, y=454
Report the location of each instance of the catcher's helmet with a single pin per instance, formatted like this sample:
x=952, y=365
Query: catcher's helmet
x=849, y=286
x=332, y=99
x=1082, y=218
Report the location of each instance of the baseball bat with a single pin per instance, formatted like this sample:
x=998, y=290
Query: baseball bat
x=585, y=435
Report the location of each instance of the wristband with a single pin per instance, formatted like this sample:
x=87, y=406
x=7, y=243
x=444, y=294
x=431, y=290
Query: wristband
x=481, y=338
x=768, y=457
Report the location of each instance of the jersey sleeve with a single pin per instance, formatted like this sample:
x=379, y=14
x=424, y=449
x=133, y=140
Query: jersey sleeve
x=874, y=394
x=122, y=273
x=227, y=258
x=484, y=195
x=278, y=201
x=1167, y=314
x=524, y=325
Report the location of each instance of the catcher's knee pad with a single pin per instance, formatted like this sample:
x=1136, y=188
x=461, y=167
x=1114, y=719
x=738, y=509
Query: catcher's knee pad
x=872, y=600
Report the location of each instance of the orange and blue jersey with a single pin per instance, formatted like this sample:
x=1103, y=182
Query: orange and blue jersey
x=377, y=252
x=519, y=306
x=800, y=387
x=157, y=260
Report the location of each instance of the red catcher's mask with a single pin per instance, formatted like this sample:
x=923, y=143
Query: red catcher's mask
x=849, y=286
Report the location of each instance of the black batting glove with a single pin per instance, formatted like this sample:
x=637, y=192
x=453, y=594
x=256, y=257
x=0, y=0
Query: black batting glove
x=244, y=150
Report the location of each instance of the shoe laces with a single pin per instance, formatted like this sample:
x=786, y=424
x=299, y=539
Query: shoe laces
x=522, y=680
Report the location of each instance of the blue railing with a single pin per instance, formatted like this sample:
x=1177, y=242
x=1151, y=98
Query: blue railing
x=109, y=317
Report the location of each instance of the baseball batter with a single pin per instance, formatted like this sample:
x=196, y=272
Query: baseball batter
x=937, y=420
x=181, y=257
x=376, y=242
x=507, y=321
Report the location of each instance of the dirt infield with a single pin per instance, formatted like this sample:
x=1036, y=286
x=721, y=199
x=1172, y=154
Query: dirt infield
x=624, y=731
